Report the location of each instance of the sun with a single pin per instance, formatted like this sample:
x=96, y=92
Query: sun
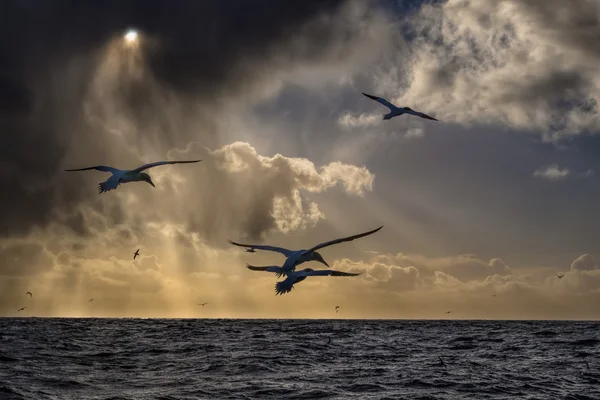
x=131, y=36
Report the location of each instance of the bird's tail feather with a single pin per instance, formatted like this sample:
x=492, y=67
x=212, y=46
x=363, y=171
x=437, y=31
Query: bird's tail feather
x=107, y=186
x=283, y=287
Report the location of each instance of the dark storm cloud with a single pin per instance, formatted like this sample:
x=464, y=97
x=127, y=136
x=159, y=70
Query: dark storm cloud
x=49, y=52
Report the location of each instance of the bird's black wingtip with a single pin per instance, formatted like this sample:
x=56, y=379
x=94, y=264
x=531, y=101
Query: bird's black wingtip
x=370, y=96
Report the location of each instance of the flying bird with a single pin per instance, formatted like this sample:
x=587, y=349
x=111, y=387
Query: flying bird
x=396, y=111
x=203, y=304
x=296, y=257
x=250, y=250
x=493, y=295
x=560, y=276
x=442, y=363
x=29, y=293
x=137, y=253
x=337, y=308
x=294, y=277
x=448, y=312
x=90, y=300
x=125, y=175
x=21, y=309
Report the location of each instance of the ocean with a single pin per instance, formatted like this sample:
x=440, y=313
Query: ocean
x=60, y=358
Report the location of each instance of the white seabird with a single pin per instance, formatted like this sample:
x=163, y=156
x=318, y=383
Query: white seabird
x=127, y=175
x=294, y=277
x=296, y=257
x=396, y=111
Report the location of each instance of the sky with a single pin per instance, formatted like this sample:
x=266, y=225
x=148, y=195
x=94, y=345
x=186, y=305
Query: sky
x=481, y=210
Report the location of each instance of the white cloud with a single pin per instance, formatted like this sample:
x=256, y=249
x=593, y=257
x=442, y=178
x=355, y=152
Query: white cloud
x=522, y=63
x=414, y=133
x=349, y=120
x=551, y=173
x=585, y=262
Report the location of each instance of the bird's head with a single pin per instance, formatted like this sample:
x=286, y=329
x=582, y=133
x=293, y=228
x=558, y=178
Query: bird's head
x=319, y=258
x=146, y=178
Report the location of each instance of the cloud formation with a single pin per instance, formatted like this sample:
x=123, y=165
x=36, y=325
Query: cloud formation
x=525, y=64
x=551, y=173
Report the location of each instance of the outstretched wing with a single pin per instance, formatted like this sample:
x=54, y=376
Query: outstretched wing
x=281, y=250
x=273, y=268
x=420, y=114
x=381, y=101
x=102, y=168
x=329, y=272
x=336, y=241
x=156, y=164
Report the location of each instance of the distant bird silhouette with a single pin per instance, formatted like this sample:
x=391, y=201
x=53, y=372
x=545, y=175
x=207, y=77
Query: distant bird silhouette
x=493, y=295
x=21, y=309
x=442, y=363
x=395, y=110
x=137, y=253
x=30, y=294
x=120, y=176
x=251, y=250
x=203, y=304
x=560, y=276
x=90, y=300
x=337, y=308
x=448, y=312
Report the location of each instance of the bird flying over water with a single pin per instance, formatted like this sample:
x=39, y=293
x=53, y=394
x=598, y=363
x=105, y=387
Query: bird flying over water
x=442, y=363
x=560, y=276
x=337, y=308
x=21, y=309
x=137, y=253
x=126, y=175
x=396, y=111
x=294, y=277
x=29, y=293
x=203, y=304
x=297, y=257
x=448, y=312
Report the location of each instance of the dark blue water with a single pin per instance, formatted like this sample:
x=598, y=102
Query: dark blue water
x=292, y=359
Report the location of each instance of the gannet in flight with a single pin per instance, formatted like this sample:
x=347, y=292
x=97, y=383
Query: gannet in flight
x=396, y=111
x=125, y=175
x=296, y=257
x=294, y=277
x=560, y=276
x=90, y=300
x=337, y=308
x=29, y=293
x=203, y=304
x=137, y=253
x=21, y=309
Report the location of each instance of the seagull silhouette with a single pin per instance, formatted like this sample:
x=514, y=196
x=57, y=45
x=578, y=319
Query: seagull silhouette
x=560, y=276
x=203, y=304
x=297, y=257
x=30, y=294
x=137, y=253
x=442, y=363
x=448, y=312
x=396, y=111
x=120, y=176
x=90, y=300
x=21, y=309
